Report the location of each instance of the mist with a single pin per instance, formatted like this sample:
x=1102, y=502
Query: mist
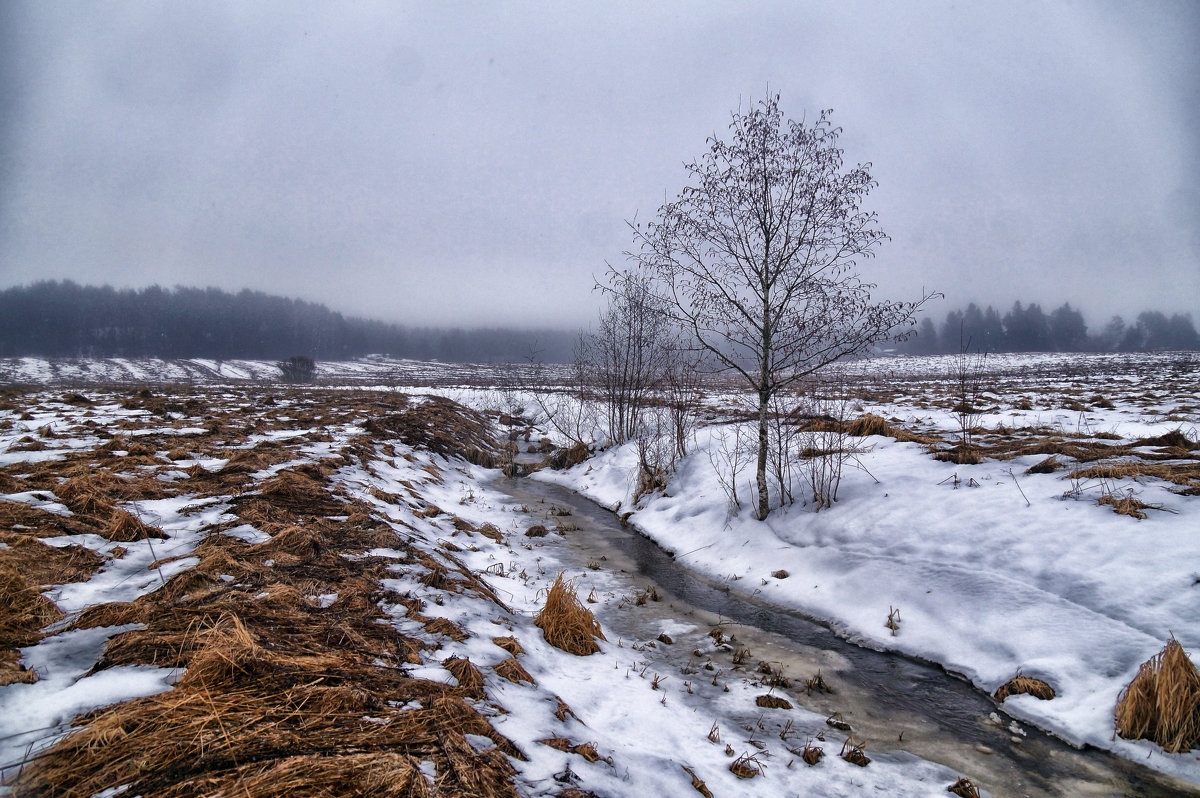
x=477, y=164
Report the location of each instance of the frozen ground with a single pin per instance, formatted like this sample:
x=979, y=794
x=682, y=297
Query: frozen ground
x=218, y=545
x=994, y=571
x=371, y=370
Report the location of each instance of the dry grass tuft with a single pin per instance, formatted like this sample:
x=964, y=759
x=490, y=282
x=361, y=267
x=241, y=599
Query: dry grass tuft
x=868, y=424
x=1162, y=703
x=447, y=627
x=811, y=754
x=1175, y=439
x=746, y=766
x=40, y=564
x=513, y=671
x=294, y=545
x=1047, y=466
x=773, y=702
x=124, y=527
x=468, y=676
x=1024, y=685
x=963, y=788
x=1126, y=505
x=852, y=752
x=566, y=623
x=12, y=671
x=92, y=494
x=246, y=461
x=962, y=454
x=224, y=651
x=509, y=644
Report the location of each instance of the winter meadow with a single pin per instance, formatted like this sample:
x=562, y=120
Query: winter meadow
x=387, y=410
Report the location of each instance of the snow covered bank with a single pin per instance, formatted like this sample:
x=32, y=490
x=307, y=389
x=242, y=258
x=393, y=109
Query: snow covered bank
x=993, y=572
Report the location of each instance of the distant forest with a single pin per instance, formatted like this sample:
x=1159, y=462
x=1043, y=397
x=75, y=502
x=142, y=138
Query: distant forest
x=1026, y=328
x=64, y=319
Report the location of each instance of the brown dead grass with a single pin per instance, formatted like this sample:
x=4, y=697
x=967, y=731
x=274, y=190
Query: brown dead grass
x=1126, y=505
x=1177, y=473
x=124, y=527
x=566, y=623
x=468, y=676
x=301, y=493
x=569, y=457
x=23, y=610
x=447, y=627
x=441, y=426
x=277, y=695
x=868, y=424
x=513, y=671
x=509, y=644
x=963, y=788
x=1047, y=466
x=1162, y=703
x=40, y=564
x=962, y=454
x=1024, y=685
x=586, y=750
x=40, y=523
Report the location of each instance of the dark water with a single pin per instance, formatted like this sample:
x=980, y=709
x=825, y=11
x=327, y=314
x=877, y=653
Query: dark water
x=901, y=703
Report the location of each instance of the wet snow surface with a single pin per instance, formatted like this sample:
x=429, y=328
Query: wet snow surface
x=994, y=570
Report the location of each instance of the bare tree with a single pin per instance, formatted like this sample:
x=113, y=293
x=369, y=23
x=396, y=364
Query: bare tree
x=630, y=353
x=563, y=398
x=756, y=257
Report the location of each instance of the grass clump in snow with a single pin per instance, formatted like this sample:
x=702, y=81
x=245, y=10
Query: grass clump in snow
x=125, y=527
x=868, y=424
x=566, y=623
x=1024, y=685
x=1162, y=703
x=964, y=788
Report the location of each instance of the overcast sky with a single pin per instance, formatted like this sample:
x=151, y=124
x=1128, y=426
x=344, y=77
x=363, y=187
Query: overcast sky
x=474, y=163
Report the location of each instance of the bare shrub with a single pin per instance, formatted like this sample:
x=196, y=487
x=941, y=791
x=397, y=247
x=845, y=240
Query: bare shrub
x=297, y=368
x=728, y=458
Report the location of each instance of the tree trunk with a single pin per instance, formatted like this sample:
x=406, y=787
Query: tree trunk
x=764, y=504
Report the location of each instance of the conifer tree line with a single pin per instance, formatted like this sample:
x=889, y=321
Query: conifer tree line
x=1027, y=328
x=64, y=319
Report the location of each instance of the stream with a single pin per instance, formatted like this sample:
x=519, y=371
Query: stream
x=897, y=703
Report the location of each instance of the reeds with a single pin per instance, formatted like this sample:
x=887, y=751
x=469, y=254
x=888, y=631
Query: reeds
x=1162, y=703
x=566, y=623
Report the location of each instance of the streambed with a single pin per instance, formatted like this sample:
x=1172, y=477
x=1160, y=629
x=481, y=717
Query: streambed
x=896, y=704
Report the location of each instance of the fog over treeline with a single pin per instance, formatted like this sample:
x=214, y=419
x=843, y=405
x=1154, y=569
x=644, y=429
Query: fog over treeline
x=1027, y=328
x=64, y=319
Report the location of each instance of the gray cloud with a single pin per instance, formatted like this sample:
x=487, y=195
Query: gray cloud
x=474, y=163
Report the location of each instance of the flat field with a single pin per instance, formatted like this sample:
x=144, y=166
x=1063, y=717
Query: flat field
x=232, y=586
